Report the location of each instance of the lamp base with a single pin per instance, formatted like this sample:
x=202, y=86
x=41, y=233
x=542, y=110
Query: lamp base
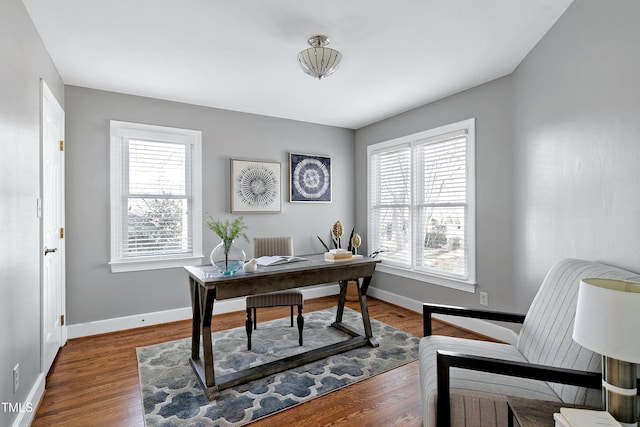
x=619, y=390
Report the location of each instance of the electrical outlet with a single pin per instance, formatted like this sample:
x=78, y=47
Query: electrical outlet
x=16, y=378
x=484, y=298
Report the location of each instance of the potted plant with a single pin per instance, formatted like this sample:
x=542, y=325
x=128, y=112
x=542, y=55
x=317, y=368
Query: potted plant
x=228, y=257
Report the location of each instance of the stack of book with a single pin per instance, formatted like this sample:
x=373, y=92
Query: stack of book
x=573, y=417
x=335, y=255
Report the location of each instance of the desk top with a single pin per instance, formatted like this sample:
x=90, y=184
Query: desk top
x=313, y=271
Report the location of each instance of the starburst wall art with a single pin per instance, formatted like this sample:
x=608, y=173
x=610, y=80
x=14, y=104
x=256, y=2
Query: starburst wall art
x=309, y=178
x=255, y=186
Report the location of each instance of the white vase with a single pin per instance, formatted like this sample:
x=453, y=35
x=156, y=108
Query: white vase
x=227, y=258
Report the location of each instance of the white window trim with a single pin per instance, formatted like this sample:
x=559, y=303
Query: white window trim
x=118, y=130
x=468, y=285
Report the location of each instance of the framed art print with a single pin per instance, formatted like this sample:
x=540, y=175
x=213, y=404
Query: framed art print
x=255, y=186
x=309, y=178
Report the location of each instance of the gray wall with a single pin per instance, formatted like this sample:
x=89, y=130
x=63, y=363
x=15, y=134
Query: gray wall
x=577, y=143
x=93, y=292
x=558, y=149
x=24, y=61
x=490, y=104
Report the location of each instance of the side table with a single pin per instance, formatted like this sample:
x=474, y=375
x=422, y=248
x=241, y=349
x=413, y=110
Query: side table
x=534, y=413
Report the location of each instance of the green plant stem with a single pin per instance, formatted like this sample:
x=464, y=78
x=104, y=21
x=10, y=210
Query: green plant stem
x=228, y=231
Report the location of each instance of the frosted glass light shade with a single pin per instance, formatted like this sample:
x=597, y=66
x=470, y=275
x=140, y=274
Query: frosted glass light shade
x=319, y=61
x=608, y=318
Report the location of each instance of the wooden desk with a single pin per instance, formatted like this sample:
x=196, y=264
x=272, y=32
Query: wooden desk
x=207, y=285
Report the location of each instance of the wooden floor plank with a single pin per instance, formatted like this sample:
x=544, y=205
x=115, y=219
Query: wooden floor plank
x=94, y=380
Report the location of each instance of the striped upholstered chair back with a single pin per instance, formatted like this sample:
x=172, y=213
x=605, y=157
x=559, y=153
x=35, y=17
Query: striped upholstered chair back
x=271, y=246
x=546, y=334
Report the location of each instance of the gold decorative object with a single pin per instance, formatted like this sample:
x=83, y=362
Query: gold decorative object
x=337, y=230
x=356, y=241
x=337, y=233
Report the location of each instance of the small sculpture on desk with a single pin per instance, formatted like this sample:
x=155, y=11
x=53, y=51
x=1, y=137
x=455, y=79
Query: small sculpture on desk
x=356, y=241
x=337, y=231
x=336, y=234
x=250, y=266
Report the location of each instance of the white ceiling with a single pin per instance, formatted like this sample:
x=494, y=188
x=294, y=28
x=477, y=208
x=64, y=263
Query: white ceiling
x=241, y=54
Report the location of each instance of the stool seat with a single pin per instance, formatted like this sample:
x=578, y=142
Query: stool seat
x=275, y=299
x=290, y=297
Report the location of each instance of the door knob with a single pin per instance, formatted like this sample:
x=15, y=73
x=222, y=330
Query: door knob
x=48, y=251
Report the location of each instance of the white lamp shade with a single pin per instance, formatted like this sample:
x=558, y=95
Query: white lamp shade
x=608, y=318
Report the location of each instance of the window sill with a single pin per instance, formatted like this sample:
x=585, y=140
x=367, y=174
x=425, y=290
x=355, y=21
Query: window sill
x=461, y=285
x=154, y=264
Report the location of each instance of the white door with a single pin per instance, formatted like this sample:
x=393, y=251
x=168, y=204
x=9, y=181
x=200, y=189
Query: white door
x=53, y=268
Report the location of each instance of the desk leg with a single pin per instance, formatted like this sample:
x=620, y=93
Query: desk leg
x=202, y=301
x=364, y=309
x=207, y=344
x=341, y=300
x=195, y=319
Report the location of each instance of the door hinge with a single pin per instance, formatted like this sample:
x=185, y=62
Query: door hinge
x=62, y=232
x=62, y=320
x=61, y=145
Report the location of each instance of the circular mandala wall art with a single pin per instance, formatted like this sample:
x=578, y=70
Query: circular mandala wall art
x=310, y=178
x=255, y=187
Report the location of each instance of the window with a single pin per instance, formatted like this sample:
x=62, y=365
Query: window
x=421, y=213
x=156, y=219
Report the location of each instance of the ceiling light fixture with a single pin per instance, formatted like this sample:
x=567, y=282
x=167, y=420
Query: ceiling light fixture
x=319, y=61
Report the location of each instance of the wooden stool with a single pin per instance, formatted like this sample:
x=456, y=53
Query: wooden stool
x=273, y=299
x=271, y=246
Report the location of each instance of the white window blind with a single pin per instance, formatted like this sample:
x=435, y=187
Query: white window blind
x=421, y=204
x=441, y=204
x=391, y=203
x=158, y=199
x=155, y=196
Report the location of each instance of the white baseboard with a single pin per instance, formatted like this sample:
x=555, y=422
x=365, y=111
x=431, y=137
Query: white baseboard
x=28, y=407
x=148, y=319
x=237, y=304
x=128, y=322
x=476, y=325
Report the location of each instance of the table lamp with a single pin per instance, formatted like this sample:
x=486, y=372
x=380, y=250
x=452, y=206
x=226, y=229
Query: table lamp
x=608, y=322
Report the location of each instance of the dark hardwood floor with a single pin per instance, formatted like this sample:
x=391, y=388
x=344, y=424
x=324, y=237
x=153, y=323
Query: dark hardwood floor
x=94, y=380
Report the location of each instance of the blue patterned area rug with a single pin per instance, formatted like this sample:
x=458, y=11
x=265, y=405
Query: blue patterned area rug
x=172, y=396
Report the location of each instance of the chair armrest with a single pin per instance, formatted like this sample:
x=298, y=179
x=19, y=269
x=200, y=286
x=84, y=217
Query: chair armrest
x=449, y=359
x=429, y=309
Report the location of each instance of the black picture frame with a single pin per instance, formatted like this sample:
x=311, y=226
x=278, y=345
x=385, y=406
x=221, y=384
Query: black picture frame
x=309, y=178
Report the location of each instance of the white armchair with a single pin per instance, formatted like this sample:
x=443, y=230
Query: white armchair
x=466, y=382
